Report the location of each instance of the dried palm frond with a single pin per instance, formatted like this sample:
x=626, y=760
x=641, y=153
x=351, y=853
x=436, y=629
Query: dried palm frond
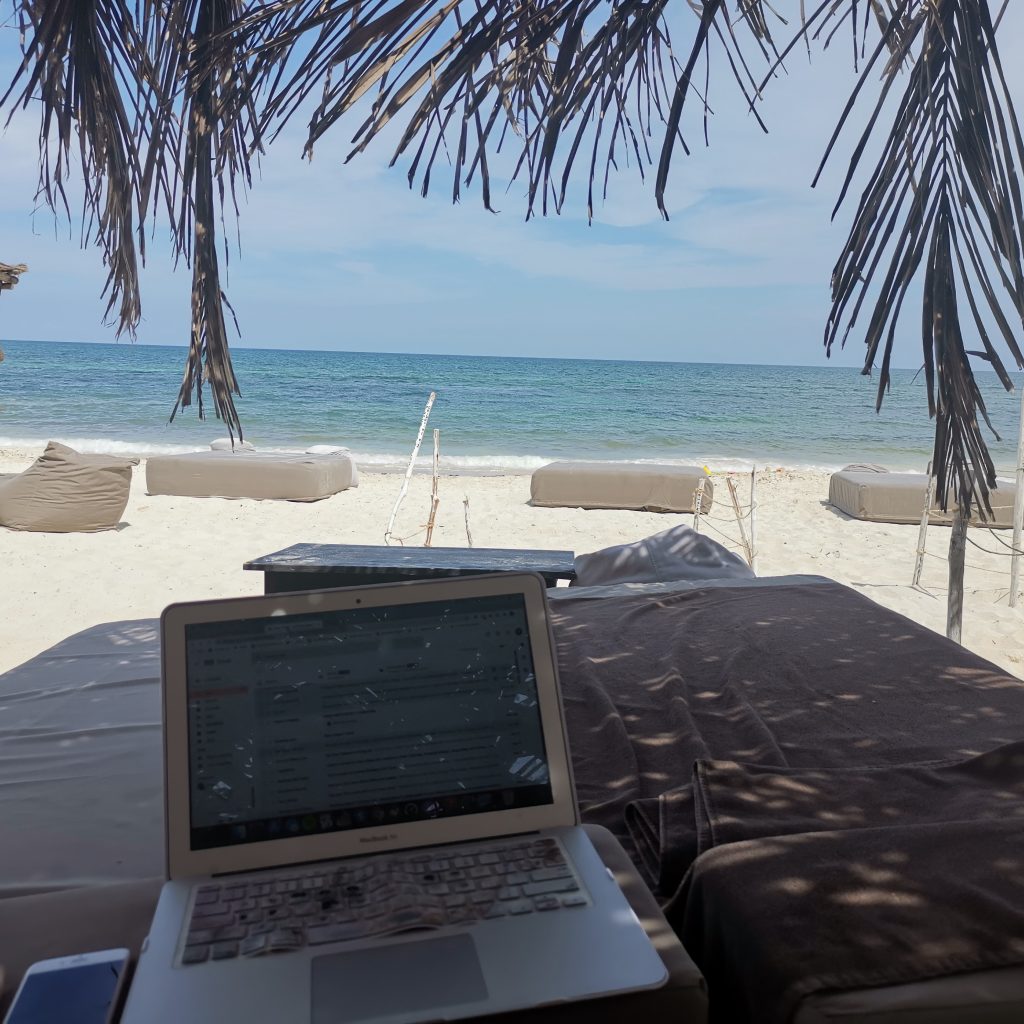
x=556, y=82
x=83, y=60
x=10, y=273
x=944, y=198
x=211, y=145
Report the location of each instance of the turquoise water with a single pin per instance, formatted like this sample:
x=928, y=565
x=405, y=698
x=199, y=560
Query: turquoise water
x=492, y=412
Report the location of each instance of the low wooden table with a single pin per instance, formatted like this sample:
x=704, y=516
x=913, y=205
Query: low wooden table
x=319, y=566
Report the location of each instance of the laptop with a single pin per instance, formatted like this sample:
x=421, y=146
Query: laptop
x=370, y=814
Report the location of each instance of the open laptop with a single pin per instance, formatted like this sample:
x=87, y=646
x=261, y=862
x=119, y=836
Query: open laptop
x=370, y=814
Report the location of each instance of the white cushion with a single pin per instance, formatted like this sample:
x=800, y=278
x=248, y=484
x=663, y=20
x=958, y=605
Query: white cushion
x=326, y=449
x=224, y=444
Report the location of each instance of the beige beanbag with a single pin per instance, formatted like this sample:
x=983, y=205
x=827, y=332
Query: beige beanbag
x=64, y=491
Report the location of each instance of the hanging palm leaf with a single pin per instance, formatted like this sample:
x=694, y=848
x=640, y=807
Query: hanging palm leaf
x=84, y=61
x=555, y=82
x=944, y=198
x=10, y=274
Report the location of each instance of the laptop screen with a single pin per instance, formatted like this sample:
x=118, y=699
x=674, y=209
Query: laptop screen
x=328, y=721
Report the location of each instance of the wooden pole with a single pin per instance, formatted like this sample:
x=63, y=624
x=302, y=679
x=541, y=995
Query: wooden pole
x=922, y=534
x=1018, y=512
x=697, y=500
x=753, y=520
x=465, y=509
x=389, y=532
x=739, y=518
x=957, y=549
x=434, y=499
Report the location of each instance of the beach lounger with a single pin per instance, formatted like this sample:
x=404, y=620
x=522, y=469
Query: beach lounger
x=65, y=491
x=879, y=496
x=620, y=485
x=245, y=474
x=788, y=675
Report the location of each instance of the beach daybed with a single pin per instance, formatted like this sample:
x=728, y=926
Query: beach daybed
x=878, y=496
x=251, y=474
x=620, y=485
x=65, y=491
x=818, y=761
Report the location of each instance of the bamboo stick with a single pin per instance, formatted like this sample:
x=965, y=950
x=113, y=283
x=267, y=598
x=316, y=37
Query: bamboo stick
x=739, y=518
x=434, y=500
x=465, y=509
x=922, y=535
x=753, y=520
x=389, y=532
x=1018, y=512
x=697, y=500
x=957, y=549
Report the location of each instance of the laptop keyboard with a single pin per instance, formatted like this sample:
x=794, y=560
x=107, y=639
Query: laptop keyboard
x=376, y=896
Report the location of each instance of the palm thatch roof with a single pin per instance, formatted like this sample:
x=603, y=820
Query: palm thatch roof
x=167, y=104
x=9, y=274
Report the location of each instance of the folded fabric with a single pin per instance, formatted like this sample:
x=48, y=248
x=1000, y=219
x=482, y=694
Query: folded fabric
x=733, y=802
x=729, y=802
x=769, y=921
x=664, y=836
x=841, y=878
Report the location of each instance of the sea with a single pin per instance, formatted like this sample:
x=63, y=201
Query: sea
x=494, y=413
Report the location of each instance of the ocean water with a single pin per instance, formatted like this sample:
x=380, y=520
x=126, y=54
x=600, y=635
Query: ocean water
x=494, y=413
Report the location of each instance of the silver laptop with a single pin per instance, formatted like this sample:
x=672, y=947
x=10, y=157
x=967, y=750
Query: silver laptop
x=370, y=814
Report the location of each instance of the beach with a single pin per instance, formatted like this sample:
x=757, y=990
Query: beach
x=176, y=549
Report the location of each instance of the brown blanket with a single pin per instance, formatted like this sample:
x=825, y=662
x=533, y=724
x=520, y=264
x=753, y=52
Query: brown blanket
x=809, y=675
x=918, y=873
x=771, y=920
x=735, y=802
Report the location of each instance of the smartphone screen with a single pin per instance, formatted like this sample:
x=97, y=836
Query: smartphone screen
x=77, y=994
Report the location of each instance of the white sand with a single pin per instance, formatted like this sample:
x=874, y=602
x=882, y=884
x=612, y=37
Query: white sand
x=171, y=549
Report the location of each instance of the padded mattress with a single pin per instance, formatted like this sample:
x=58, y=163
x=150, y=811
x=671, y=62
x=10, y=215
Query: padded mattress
x=620, y=485
x=241, y=474
x=899, y=498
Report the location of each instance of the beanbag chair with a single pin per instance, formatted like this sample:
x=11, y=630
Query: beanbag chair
x=64, y=491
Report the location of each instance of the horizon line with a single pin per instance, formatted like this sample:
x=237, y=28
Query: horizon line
x=825, y=364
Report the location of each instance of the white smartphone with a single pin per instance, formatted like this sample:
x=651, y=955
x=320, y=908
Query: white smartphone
x=83, y=989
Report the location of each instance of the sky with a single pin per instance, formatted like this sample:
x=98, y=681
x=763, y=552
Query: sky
x=346, y=256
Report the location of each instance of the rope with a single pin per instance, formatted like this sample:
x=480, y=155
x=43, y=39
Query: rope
x=731, y=540
x=996, y=554
x=995, y=536
x=970, y=565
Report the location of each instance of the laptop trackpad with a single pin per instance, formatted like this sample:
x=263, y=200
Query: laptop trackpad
x=408, y=977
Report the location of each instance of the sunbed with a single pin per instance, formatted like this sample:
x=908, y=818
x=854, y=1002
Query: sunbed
x=249, y=474
x=649, y=487
x=883, y=497
x=788, y=674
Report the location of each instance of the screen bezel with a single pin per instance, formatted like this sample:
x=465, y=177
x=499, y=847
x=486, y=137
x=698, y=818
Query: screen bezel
x=184, y=862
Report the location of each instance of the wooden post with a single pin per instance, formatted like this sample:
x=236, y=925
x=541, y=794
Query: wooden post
x=957, y=549
x=922, y=534
x=434, y=499
x=753, y=520
x=389, y=532
x=1018, y=512
x=697, y=500
x=739, y=518
x=465, y=508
